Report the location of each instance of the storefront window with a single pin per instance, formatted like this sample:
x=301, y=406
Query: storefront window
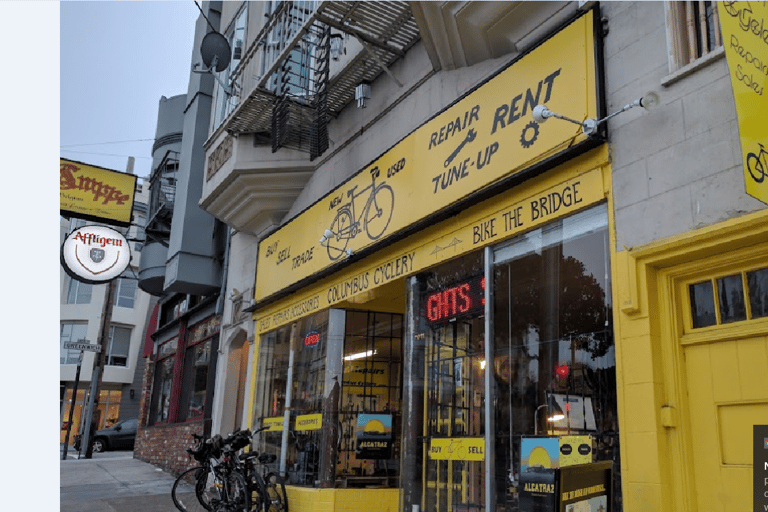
x=452, y=307
x=554, y=360
x=197, y=385
x=369, y=412
x=341, y=373
x=161, y=402
x=196, y=363
x=310, y=343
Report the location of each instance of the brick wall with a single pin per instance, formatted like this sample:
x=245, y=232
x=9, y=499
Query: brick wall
x=166, y=446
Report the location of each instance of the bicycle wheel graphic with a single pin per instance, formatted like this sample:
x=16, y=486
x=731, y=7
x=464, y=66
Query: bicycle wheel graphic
x=378, y=212
x=342, y=226
x=755, y=167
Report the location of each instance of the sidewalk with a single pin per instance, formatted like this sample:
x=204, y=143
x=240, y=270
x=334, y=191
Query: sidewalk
x=114, y=482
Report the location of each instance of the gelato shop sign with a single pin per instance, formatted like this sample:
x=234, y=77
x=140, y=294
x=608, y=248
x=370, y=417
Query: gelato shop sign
x=95, y=254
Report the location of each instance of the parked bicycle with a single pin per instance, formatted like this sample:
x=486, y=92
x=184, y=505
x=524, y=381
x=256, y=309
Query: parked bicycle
x=227, y=481
x=217, y=484
x=267, y=488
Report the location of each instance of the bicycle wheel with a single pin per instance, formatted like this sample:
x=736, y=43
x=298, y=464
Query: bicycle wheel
x=755, y=167
x=237, y=497
x=276, y=500
x=209, y=490
x=184, y=492
x=378, y=213
x=343, y=229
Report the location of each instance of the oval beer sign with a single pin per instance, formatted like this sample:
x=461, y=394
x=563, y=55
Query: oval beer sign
x=95, y=254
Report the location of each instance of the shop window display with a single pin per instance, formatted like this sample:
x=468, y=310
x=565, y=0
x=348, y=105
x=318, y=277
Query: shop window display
x=161, y=397
x=340, y=372
x=369, y=412
x=554, y=360
x=452, y=310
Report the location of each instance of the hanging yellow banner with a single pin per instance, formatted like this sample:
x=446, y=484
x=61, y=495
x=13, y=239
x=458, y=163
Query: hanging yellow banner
x=483, y=137
x=745, y=37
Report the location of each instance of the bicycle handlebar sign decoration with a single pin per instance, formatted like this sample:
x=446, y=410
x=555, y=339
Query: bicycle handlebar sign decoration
x=485, y=136
x=745, y=36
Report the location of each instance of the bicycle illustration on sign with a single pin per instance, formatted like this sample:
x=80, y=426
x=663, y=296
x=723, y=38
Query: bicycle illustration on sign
x=373, y=218
x=757, y=164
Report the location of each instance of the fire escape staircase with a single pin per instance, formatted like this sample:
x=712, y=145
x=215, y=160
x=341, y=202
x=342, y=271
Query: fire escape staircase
x=283, y=92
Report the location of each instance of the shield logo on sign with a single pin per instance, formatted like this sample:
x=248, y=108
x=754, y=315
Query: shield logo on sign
x=97, y=255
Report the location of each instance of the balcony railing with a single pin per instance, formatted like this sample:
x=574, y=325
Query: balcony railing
x=282, y=91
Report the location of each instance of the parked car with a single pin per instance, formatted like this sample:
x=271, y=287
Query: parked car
x=121, y=435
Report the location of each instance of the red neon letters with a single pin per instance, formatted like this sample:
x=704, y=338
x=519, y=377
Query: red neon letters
x=461, y=299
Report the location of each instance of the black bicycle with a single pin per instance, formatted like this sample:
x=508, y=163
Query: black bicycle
x=267, y=488
x=216, y=485
x=228, y=482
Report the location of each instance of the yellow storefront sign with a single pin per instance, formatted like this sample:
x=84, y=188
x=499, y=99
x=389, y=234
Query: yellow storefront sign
x=457, y=448
x=538, y=201
x=275, y=423
x=309, y=422
x=97, y=194
x=370, y=377
x=745, y=37
x=480, y=139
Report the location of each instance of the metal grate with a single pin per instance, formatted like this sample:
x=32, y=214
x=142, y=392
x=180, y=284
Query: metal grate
x=295, y=40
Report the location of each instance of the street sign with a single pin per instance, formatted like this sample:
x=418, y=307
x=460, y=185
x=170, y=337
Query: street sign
x=83, y=346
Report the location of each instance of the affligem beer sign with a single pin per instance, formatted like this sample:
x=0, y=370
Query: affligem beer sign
x=485, y=136
x=95, y=254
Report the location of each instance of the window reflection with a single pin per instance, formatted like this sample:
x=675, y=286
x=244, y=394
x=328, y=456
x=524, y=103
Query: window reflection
x=554, y=346
x=702, y=304
x=757, y=281
x=731, y=296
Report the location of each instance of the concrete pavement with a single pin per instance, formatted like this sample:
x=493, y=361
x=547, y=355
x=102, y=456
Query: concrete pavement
x=113, y=482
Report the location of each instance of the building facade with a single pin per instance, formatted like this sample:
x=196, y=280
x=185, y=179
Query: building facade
x=459, y=279
x=183, y=266
x=82, y=307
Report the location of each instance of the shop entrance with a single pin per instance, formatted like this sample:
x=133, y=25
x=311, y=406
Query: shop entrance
x=722, y=305
x=453, y=471
x=452, y=309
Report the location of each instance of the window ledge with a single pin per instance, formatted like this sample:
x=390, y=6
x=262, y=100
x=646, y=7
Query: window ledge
x=694, y=66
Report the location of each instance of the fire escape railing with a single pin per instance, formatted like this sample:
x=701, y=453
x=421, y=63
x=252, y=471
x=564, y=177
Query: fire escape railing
x=282, y=91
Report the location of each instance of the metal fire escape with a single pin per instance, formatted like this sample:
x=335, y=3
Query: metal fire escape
x=283, y=91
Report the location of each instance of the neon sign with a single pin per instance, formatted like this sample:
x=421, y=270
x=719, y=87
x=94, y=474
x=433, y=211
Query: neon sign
x=312, y=339
x=460, y=300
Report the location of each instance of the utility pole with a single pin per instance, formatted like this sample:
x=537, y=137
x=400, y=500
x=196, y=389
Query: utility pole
x=72, y=406
x=92, y=419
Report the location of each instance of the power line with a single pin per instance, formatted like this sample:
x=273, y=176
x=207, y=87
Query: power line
x=100, y=143
x=102, y=154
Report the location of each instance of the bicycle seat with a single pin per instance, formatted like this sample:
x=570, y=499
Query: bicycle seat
x=249, y=455
x=266, y=458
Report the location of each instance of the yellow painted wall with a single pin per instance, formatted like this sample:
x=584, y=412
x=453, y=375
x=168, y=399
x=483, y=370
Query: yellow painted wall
x=661, y=432
x=302, y=499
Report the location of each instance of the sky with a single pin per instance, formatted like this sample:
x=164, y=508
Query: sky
x=85, y=75
x=117, y=59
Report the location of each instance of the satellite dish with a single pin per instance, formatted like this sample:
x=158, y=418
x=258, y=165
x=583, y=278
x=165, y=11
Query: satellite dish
x=215, y=51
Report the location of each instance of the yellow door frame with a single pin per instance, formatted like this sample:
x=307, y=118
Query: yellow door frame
x=657, y=462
